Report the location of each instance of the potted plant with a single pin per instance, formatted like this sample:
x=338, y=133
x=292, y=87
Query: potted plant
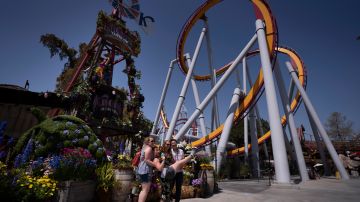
x=124, y=175
x=105, y=181
x=75, y=168
x=10, y=190
x=244, y=171
x=207, y=174
x=196, y=183
x=65, y=149
x=187, y=177
x=36, y=188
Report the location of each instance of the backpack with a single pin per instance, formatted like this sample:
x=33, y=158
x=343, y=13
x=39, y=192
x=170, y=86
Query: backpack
x=136, y=160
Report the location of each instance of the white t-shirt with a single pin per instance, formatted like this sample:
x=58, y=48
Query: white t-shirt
x=178, y=155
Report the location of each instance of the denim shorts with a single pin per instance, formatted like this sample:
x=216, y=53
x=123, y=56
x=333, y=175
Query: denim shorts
x=145, y=178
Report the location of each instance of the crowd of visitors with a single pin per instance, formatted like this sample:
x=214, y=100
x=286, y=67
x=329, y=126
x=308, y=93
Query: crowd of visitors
x=167, y=162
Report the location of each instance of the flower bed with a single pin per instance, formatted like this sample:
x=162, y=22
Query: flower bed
x=52, y=159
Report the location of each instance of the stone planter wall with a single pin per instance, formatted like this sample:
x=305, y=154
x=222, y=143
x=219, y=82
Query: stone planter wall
x=76, y=191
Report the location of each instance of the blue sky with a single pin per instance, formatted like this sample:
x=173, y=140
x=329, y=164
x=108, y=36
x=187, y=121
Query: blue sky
x=322, y=32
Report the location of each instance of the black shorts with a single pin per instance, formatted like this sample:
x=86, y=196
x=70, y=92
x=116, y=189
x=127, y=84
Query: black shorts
x=170, y=173
x=145, y=178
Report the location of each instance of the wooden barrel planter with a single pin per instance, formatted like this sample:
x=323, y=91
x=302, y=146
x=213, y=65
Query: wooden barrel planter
x=77, y=191
x=208, y=181
x=122, y=187
x=198, y=192
x=187, y=192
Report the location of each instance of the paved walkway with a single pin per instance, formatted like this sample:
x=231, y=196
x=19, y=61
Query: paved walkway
x=325, y=189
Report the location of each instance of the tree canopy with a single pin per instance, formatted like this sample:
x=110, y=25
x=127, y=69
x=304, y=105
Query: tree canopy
x=237, y=132
x=59, y=47
x=339, y=127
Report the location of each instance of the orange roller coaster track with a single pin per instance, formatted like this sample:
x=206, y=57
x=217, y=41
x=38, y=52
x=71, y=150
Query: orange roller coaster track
x=246, y=104
x=263, y=12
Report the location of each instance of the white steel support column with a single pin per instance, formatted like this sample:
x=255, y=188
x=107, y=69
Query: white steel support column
x=221, y=148
x=290, y=149
x=254, y=144
x=215, y=111
x=197, y=102
x=185, y=87
x=246, y=126
x=277, y=136
x=318, y=124
x=261, y=130
x=291, y=124
x=319, y=146
x=214, y=90
x=163, y=95
x=258, y=120
x=291, y=90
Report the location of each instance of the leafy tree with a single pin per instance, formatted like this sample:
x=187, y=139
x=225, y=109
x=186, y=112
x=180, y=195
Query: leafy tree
x=237, y=132
x=357, y=136
x=59, y=47
x=339, y=127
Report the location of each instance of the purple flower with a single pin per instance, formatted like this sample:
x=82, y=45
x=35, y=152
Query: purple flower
x=69, y=123
x=27, y=151
x=37, y=163
x=75, y=140
x=55, y=162
x=196, y=182
x=77, y=131
x=2, y=154
x=90, y=163
x=17, y=161
x=10, y=141
x=66, y=132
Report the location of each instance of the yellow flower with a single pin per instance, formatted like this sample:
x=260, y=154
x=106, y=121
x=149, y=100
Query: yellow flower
x=30, y=186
